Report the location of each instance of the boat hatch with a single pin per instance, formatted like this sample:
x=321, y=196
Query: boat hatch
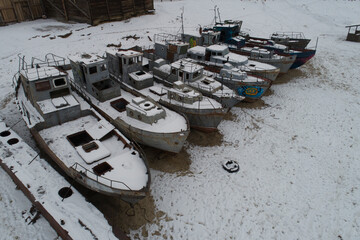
x=119, y=104
x=139, y=73
x=93, y=151
x=88, y=147
x=102, y=168
x=158, y=91
x=79, y=138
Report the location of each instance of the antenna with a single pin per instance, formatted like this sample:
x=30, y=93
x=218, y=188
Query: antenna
x=219, y=14
x=182, y=21
x=215, y=13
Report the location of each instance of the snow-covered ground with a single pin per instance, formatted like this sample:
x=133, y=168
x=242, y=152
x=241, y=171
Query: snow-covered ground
x=298, y=152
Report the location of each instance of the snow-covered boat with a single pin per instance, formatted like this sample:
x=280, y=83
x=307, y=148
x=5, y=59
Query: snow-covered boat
x=192, y=74
x=294, y=40
x=302, y=55
x=217, y=55
x=140, y=118
x=282, y=62
x=251, y=87
x=86, y=146
x=203, y=113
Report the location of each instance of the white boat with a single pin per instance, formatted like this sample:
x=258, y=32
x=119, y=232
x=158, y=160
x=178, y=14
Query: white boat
x=248, y=86
x=192, y=74
x=266, y=56
x=217, y=55
x=86, y=146
x=140, y=118
x=202, y=112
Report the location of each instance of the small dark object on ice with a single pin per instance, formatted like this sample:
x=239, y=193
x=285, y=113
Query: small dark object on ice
x=65, y=35
x=231, y=166
x=114, y=45
x=131, y=36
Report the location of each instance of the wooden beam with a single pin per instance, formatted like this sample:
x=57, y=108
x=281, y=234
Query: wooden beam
x=31, y=12
x=66, y=15
x=78, y=8
x=54, y=6
x=108, y=9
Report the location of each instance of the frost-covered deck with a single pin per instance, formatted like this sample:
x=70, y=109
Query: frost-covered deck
x=128, y=167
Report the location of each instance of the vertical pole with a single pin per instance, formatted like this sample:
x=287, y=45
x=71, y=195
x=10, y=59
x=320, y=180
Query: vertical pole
x=65, y=12
x=108, y=9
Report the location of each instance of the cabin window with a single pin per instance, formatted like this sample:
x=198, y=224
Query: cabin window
x=124, y=61
x=103, y=67
x=187, y=76
x=196, y=74
x=173, y=71
x=139, y=59
x=92, y=70
x=59, y=82
x=213, y=53
x=199, y=57
x=131, y=61
x=42, y=86
x=219, y=54
x=180, y=74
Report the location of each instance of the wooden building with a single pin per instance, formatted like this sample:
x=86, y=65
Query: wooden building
x=89, y=11
x=20, y=10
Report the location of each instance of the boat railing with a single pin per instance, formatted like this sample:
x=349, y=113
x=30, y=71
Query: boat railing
x=166, y=37
x=51, y=60
x=99, y=179
x=79, y=90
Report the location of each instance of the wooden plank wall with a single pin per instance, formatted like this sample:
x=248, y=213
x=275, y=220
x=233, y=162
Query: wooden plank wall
x=90, y=11
x=74, y=10
x=20, y=10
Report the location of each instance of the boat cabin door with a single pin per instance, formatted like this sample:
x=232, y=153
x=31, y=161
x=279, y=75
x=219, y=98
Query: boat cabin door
x=181, y=76
x=82, y=74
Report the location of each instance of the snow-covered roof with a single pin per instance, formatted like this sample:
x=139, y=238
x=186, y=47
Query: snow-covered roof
x=217, y=48
x=129, y=53
x=197, y=50
x=86, y=58
x=33, y=74
x=186, y=66
x=140, y=75
x=54, y=104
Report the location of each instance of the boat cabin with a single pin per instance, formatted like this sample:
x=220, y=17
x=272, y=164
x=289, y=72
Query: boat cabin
x=48, y=90
x=186, y=71
x=145, y=110
x=91, y=72
x=228, y=29
x=122, y=63
x=256, y=52
x=230, y=72
x=353, y=33
x=140, y=80
x=208, y=37
x=171, y=50
x=182, y=93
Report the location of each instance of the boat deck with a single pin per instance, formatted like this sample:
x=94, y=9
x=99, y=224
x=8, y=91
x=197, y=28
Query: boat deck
x=127, y=166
